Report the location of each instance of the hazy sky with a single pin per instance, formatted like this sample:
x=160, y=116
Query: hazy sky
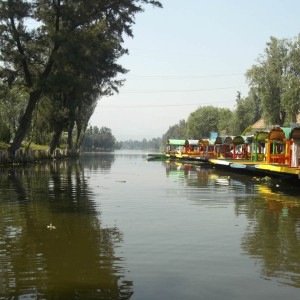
x=189, y=54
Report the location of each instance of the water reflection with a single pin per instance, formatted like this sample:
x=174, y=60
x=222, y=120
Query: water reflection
x=272, y=209
x=98, y=160
x=76, y=259
x=272, y=236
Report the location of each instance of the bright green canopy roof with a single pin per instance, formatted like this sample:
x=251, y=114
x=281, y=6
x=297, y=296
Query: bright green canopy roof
x=261, y=136
x=176, y=142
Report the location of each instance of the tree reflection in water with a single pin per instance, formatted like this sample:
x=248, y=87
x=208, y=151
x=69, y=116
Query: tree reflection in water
x=75, y=260
x=273, y=235
x=272, y=209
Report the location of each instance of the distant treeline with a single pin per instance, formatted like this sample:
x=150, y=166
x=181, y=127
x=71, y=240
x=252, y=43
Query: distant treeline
x=99, y=139
x=153, y=144
x=96, y=139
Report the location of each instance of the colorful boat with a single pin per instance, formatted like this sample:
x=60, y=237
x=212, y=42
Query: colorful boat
x=274, y=152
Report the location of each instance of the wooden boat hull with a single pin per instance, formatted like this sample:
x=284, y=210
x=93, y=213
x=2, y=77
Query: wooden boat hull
x=256, y=168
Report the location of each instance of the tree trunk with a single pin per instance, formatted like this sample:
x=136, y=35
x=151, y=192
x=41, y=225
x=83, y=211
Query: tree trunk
x=55, y=140
x=25, y=123
x=70, y=136
x=80, y=135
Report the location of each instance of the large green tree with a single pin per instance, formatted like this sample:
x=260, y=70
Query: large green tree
x=225, y=120
x=177, y=131
x=246, y=113
x=98, y=139
x=12, y=104
x=202, y=122
x=291, y=97
x=35, y=37
x=270, y=76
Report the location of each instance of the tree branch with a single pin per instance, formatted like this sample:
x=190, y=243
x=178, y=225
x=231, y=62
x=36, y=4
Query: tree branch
x=21, y=50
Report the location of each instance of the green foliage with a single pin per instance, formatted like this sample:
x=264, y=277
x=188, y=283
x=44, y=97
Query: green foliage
x=98, y=139
x=69, y=55
x=12, y=106
x=244, y=114
x=4, y=133
x=276, y=79
x=3, y=145
x=202, y=122
x=225, y=120
x=274, y=95
x=248, y=129
x=152, y=144
x=291, y=96
x=177, y=131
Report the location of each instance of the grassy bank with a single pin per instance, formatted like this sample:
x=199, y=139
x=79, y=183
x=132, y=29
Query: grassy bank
x=32, y=153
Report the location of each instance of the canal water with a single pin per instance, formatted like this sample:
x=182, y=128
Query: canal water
x=116, y=226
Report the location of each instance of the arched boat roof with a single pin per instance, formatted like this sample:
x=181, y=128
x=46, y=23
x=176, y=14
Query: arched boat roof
x=204, y=142
x=228, y=140
x=219, y=140
x=248, y=139
x=279, y=133
x=175, y=142
x=192, y=142
x=295, y=133
x=261, y=136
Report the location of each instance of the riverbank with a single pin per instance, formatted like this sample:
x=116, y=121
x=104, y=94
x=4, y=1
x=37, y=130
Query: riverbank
x=32, y=155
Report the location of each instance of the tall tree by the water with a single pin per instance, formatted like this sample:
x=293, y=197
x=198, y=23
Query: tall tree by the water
x=35, y=40
x=276, y=78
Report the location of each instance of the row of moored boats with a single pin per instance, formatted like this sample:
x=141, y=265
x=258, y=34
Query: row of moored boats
x=273, y=152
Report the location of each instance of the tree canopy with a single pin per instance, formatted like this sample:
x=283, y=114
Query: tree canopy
x=63, y=52
x=274, y=94
x=202, y=122
x=177, y=131
x=276, y=78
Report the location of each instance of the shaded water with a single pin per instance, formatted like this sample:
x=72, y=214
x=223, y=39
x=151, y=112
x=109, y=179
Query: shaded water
x=125, y=228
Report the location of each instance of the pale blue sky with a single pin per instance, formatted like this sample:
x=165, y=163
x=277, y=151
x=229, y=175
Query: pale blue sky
x=189, y=54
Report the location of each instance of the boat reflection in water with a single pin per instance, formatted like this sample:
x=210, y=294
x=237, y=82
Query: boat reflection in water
x=272, y=237
x=53, y=245
x=272, y=210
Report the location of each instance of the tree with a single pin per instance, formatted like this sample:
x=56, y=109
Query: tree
x=177, y=131
x=98, y=139
x=246, y=112
x=202, y=122
x=106, y=140
x=153, y=144
x=225, y=120
x=291, y=97
x=12, y=105
x=31, y=54
x=270, y=78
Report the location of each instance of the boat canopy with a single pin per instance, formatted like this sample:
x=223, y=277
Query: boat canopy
x=248, y=139
x=279, y=133
x=175, y=142
x=295, y=133
x=238, y=140
x=261, y=136
x=228, y=140
x=204, y=142
x=219, y=140
x=192, y=142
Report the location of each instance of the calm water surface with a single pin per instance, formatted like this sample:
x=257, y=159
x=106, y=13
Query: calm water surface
x=115, y=226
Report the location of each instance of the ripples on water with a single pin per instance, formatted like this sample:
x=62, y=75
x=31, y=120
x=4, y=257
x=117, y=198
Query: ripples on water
x=125, y=228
